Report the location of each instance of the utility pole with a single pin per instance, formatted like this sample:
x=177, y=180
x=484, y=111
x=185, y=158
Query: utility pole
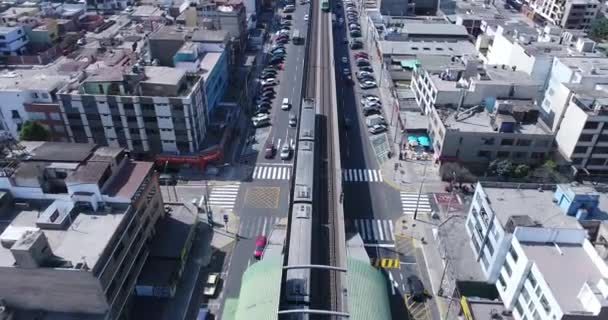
x=420, y=190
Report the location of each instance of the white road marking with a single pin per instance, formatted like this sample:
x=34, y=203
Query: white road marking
x=380, y=232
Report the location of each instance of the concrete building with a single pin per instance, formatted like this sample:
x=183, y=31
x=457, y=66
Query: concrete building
x=506, y=130
x=532, y=50
x=13, y=40
x=228, y=16
x=553, y=274
x=581, y=137
x=419, y=31
x=583, y=71
x=31, y=94
x=147, y=110
x=108, y=5
x=398, y=7
x=75, y=222
x=569, y=14
x=496, y=213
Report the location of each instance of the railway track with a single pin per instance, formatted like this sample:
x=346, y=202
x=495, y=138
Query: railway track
x=320, y=75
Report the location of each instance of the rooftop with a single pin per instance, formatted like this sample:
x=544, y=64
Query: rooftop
x=435, y=29
x=538, y=205
x=163, y=75
x=554, y=260
x=424, y=48
x=62, y=152
x=209, y=62
x=43, y=78
x=83, y=241
x=483, y=309
x=587, y=65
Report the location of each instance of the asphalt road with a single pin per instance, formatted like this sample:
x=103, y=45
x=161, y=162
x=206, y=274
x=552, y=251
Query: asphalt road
x=370, y=205
x=263, y=199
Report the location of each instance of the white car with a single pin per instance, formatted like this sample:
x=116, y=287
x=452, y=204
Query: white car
x=285, y=105
x=305, y=17
x=379, y=128
x=370, y=100
x=269, y=81
x=367, y=84
x=285, y=152
x=344, y=60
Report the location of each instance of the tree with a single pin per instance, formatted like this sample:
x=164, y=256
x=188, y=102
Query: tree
x=455, y=172
x=503, y=168
x=599, y=28
x=521, y=170
x=33, y=131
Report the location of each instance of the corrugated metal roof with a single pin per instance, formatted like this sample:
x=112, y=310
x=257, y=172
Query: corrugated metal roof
x=367, y=292
x=260, y=290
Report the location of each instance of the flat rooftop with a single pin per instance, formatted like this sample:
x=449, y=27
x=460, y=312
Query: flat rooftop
x=43, y=78
x=435, y=29
x=587, y=65
x=84, y=239
x=539, y=206
x=209, y=62
x=554, y=263
x=163, y=75
x=62, y=152
x=422, y=48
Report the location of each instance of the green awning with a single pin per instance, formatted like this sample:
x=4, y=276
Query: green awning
x=410, y=63
x=260, y=290
x=367, y=292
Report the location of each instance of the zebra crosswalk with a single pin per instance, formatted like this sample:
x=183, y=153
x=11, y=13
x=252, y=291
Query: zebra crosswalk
x=250, y=227
x=411, y=201
x=362, y=175
x=375, y=230
x=224, y=196
x=271, y=173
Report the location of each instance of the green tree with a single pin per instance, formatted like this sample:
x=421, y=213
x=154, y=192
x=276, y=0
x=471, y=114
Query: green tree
x=33, y=131
x=503, y=168
x=453, y=171
x=521, y=170
x=599, y=28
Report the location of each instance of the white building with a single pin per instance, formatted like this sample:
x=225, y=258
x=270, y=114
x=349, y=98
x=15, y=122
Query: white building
x=13, y=40
x=553, y=274
x=569, y=14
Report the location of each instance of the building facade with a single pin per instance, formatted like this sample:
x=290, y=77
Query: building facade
x=76, y=220
x=13, y=40
x=569, y=14
x=148, y=110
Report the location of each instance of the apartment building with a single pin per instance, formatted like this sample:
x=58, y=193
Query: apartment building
x=586, y=72
x=147, y=109
x=495, y=214
x=582, y=138
x=31, y=94
x=532, y=50
x=108, y=5
x=13, y=40
x=569, y=14
x=75, y=222
x=553, y=274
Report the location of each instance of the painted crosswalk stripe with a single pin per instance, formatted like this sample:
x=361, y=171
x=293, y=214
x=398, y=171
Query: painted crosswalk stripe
x=271, y=172
x=380, y=233
x=375, y=230
x=224, y=196
x=362, y=175
x=412, y=202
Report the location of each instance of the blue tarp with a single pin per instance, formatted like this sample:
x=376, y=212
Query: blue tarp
x=424, y=141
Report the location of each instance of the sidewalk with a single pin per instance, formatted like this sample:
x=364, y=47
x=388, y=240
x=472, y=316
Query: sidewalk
x=430, y=262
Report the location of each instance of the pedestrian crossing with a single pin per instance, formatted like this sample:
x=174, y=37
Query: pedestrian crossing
x=224, y=196
x=271, y=173
x=411, y=200
x=250, y=227
x=362, y=175
x=375, y=230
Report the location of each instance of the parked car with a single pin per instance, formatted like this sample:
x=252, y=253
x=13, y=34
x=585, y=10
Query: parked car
x=363, y=74
x=375, y=120
x=356, y=44
x=367, y=84
x=259, y=122
x=270, y=81
x=361, y=55
x=376, y=129
x=366, y=68
x=362, y=62
x=270, y=151
x=305, y=17
x=372, y=104
x=344, y=59
x=260, y=244
x=287, y=16
x=285, y=105
x=210, y=287
x=293, y=120
x=371, y=110
x=416, y=287
x=269, y=94
x=355, y=34
x=285, y=152
x=167, y=179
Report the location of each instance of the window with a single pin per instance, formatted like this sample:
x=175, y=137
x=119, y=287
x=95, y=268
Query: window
x=542, y=143
x=513, y=254
x=119, y=248
x=487, y=141
x=484, y=259
x=520, y=155
x=531, y=279
x=596, y=162
x=591, y=125
x=524, y=142
x=502, y=154
x=525, y=294
x=501, y=281
x=545, y=304
x=128, y=106
x=507, y=268
x=520, y=310
x=537, y=155
x=585, y=137
x=490, y=247
x=580, y=149
x=576, y=161
x=484, y=154
x=535, y=315
x=506, y=142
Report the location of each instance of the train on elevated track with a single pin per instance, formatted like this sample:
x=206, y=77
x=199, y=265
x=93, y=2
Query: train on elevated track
x=297, y=280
